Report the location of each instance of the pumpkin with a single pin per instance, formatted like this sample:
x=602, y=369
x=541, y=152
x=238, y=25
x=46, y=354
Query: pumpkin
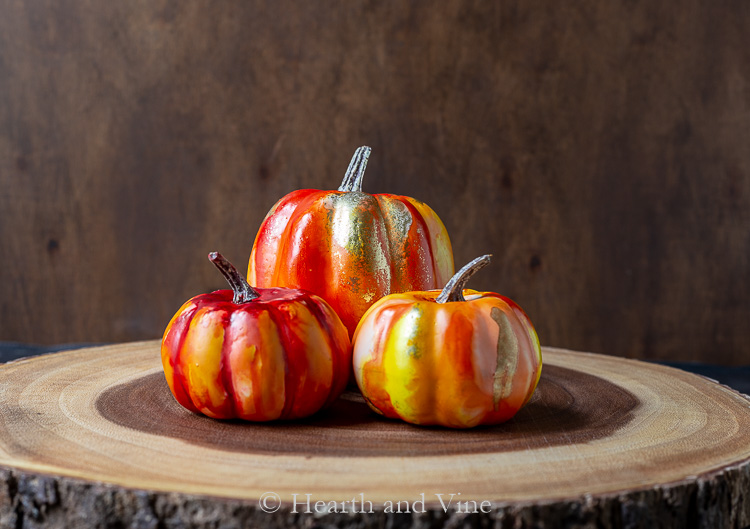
x=349, y=247
x=255, y=354
x=456, y=358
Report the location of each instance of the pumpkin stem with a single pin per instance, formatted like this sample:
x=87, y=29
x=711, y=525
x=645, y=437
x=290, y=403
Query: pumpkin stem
x=353, y=178
x=454, y=290
x=243, y=292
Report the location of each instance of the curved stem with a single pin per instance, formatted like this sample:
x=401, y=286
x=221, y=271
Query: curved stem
x=454, y=290
x=243, y=292
x=353, y=178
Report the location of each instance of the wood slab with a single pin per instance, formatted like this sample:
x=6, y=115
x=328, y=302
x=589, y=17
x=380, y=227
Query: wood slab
x=94, y=437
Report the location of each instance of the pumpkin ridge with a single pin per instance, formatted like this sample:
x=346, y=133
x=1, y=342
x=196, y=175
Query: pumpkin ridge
x=507, y=357
x=434, y=227
x=280, y=273
x=201, y=354
x=430, y=363
x=359, y=236
x=277, y=318
x=225, y=367
x=396, y=260
x=292, y=342
x=255, y=264
x=422, y=228
x=318, y=236
x=323, y=320
x=180, y=325
x=184, y=380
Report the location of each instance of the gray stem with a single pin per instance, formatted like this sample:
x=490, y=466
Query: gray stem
x=454, y=290
x=353, y=178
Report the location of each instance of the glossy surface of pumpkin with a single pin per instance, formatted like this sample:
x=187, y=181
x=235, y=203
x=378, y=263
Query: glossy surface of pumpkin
x=349, y=247
x=456, y=363
x=283, y=354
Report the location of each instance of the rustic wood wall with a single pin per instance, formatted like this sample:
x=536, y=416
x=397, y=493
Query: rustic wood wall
x=600, y=150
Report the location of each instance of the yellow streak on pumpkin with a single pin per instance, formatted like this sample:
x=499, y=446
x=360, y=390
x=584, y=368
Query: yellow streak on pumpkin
x=203, y=346
x=534, y=342
x=405, y=363
x=271, y=367
x=507, y=357
x=243, y=382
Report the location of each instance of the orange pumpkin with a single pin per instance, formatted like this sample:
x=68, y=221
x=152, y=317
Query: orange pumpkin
x=456, y=358
x=255, y=354
x=349, y=247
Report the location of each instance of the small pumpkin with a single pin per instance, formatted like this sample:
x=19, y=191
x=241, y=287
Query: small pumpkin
x=255, y=354
x=456, y=358
x=349, y=247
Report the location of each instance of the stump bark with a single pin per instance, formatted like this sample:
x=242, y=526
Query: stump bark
x=93, y=438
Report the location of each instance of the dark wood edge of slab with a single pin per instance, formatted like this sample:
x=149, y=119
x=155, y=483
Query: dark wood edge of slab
x=714, y=499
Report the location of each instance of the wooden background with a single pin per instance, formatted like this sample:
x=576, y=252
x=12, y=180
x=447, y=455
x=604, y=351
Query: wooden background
x=600, y=150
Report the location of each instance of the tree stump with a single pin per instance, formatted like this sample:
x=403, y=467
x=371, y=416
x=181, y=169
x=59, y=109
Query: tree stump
x=94, y=438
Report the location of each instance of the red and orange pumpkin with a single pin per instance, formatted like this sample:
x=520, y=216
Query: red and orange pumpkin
x=349, y=247
x=456, y=358
x=255, y=354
